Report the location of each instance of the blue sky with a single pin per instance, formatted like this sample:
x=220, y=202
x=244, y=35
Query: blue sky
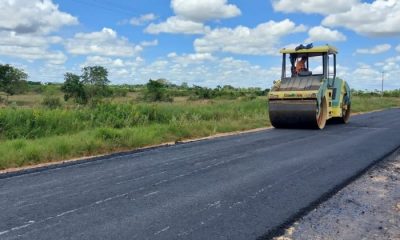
x=201, y=42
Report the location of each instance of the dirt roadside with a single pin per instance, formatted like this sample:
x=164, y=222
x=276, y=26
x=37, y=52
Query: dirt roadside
x=368, y=208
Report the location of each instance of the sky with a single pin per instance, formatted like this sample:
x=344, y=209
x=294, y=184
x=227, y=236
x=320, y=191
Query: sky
x=200, y=42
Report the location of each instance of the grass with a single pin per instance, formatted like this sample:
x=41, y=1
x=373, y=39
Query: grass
x=367, y=103
x=16, y=153
x=37, y=135
x=40, y=122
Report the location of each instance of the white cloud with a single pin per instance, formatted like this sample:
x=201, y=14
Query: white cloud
x=370, y=77
x=149, y=43
x=104, y=61
x=172, y=54
x=33, y=16
x=103, y=43
x=25, y=27
x=120, y=70
x=313, y=6
x=261, y=40
x=30, y=47
x=322, y=34
x=27, y=40
x=379, y=18
x=33, y=53
x=143, y=19
x=375, y=50
x=195, y=68
x=176, y=24
x=367, y=76
x=48, y=73
x=190, y=16
x=390, y=65
x=201, y=11
x=398, y=48
x=191, y=58
x=225, y=71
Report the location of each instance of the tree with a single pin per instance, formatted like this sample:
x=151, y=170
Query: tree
x=74, y=88
x=51, y=100
x=96, y=80
x=185, y=85
x=156, y=91
x=204, y=92
x=12, y=80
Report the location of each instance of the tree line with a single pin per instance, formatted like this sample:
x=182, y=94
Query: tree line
x=92, y=85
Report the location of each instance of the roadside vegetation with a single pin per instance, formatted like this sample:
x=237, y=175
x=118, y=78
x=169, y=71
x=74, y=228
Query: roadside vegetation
x=87, y=116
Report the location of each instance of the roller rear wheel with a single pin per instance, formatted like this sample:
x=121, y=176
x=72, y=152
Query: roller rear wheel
x=322, y=114
x=346, y=112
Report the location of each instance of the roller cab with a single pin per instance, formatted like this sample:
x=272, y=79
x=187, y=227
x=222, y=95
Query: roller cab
x=309, y=93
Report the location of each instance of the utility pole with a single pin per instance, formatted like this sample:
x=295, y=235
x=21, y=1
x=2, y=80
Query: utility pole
x=383, y=77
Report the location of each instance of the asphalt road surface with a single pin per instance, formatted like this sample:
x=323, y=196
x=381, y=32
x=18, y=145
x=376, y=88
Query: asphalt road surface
x=236, y=187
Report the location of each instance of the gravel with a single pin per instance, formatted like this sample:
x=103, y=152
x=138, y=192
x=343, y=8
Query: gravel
x=368, y=208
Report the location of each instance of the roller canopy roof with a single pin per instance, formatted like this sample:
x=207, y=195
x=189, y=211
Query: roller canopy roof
x=314, y=51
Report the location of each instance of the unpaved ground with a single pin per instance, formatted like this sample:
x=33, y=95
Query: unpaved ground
x=368, y=208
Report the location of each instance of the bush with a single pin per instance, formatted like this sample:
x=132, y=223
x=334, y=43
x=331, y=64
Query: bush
x=39, y=89
x=156, y=92
x=249, y=97
x=120, y=92
x=203, y=93
x=51, y=102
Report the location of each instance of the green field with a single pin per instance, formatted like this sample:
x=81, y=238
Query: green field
x=31, y=133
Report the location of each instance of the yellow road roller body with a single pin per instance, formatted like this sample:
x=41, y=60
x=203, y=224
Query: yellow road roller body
x=308, y=96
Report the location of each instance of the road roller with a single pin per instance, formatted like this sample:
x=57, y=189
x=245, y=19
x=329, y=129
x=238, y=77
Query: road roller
x=309, y=93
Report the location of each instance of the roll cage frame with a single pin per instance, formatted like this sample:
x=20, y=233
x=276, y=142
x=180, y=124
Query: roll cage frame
x=325, y=63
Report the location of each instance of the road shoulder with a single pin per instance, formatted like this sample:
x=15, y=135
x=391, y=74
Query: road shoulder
x=368, y=208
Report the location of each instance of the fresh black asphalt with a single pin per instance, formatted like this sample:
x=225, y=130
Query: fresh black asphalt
x=235, y=187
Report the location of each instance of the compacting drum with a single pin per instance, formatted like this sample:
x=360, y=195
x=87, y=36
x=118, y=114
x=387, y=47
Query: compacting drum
x=309, y=92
